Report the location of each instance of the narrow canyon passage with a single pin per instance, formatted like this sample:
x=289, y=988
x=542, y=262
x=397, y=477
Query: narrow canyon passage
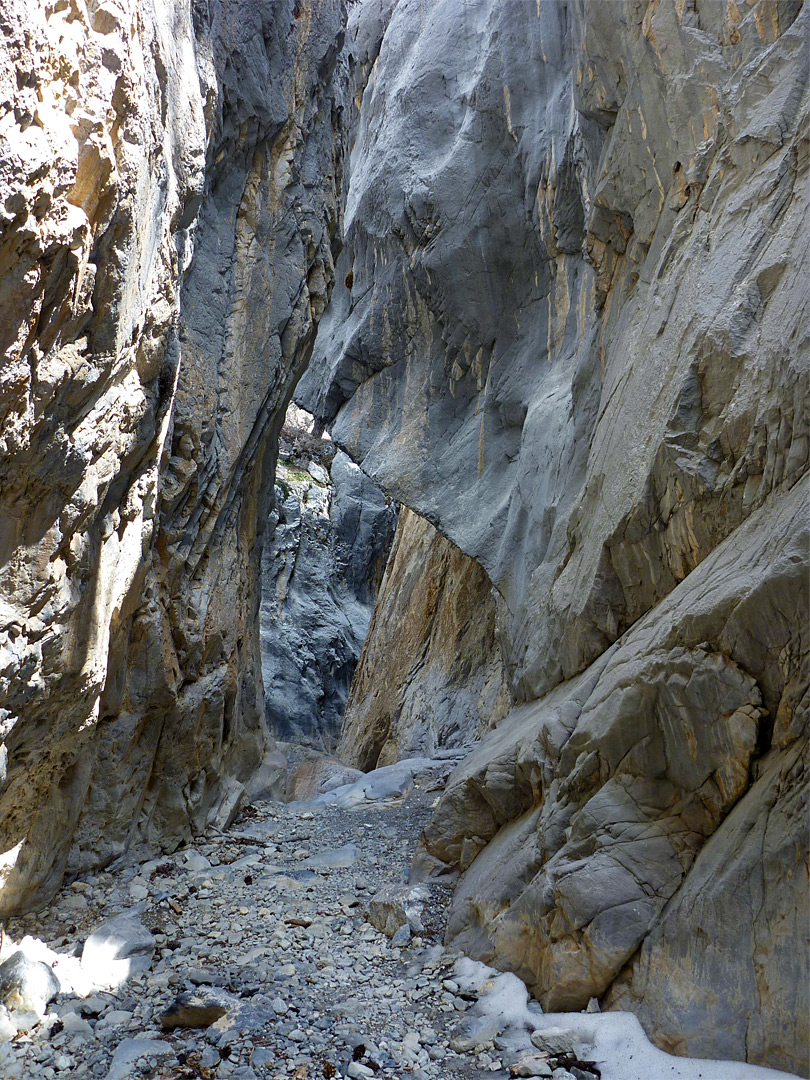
x=404, y=550
x=289, y=947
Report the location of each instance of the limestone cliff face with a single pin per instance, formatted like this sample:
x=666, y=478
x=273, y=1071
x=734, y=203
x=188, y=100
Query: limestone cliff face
x=170, y=191
x=431, y=673
x=571, y=330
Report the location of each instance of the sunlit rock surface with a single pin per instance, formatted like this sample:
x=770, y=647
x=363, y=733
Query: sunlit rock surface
x=170, y=193
x=571, y=330
x=431, y=673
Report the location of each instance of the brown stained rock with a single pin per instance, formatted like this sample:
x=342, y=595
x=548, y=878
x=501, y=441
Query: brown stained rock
x=397, y=905
x=315, y=774
x=431, y=671
x=196, y=1009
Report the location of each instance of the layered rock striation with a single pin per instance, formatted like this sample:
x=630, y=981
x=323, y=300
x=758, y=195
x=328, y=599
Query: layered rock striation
x=170, y=184
x=571, y=330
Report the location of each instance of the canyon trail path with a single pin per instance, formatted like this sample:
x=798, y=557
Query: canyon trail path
x=270, y=917
x=256, y=955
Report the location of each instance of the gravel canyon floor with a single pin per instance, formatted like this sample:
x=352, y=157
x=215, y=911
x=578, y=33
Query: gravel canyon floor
x=263, y=937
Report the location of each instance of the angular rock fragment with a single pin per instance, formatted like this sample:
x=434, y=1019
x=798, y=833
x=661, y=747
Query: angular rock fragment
x=198, y=1008
x=531, y=1065
x=397, y=905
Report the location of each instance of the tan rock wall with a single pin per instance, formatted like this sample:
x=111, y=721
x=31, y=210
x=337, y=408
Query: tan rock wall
x=169, y=186
x=431, y=673
x=625, y=838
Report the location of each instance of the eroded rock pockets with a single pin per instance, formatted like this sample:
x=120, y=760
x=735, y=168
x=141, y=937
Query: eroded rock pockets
x=570, y=330
x=171, y=186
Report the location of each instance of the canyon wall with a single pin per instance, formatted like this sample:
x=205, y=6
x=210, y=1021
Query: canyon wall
x=170, y=185
x=431, y=674
x=571, y=330
x=328, y=538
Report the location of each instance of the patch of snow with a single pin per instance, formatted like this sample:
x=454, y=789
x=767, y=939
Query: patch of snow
x=617, y=1043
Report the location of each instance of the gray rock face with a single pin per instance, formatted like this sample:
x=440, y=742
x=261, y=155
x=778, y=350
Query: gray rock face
x=170, y=189
x=321, y=571
x=516, y=262
x=571, y=330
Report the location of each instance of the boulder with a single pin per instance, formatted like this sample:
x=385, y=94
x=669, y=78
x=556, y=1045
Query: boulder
x=27, y=986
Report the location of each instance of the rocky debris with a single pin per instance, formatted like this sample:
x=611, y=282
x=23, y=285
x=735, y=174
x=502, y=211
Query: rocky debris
x=266, y=970
x=329, y=536
x=570, y=329
x=431, y=674
x=301, y=444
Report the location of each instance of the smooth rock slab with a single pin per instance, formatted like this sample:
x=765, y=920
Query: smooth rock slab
x=336, y=858
x=120, y=947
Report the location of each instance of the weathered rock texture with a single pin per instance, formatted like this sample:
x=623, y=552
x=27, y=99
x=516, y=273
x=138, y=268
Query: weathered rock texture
x=321, y=571
x=431, y=673
x=170, y=189
x=571, y=329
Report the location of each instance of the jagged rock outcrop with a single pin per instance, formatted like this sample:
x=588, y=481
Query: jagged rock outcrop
x=571, y=330
x=321, y=571
x=170, y=185
x=592, y=809
x=431, y=673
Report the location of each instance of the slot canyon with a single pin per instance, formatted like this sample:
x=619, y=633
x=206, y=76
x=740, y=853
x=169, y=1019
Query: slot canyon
x=404, y=563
